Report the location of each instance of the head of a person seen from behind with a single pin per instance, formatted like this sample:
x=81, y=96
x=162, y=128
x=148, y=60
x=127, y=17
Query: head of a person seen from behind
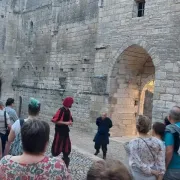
x=158, y=130
x=34, y=107
x=174, y=115
x=67, y=102
x=35, y=136
x=1, y=105
x=108, y=170
x=143, y=124
x=10, y=102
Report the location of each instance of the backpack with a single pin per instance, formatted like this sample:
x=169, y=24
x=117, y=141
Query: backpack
x=175, y=130
x=16, y=147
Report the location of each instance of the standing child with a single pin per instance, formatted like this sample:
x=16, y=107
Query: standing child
x=158, y=130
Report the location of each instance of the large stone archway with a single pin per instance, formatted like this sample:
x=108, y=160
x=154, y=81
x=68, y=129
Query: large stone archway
x=130, y=78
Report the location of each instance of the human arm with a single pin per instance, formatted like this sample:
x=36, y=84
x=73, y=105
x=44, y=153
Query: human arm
x=14, y=116
x=8, y=121
x=98, y=121
x=169, y=142
x=11, y=138
x=110, y=123
x=64, y=123
x=160, y=162
x=12, y=135
x=136, y=153
x=58, y=118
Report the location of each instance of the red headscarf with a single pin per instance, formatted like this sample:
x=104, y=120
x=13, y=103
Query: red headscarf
x=68, y=101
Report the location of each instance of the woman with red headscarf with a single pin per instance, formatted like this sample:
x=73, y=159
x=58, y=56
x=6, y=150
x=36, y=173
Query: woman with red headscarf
x=62, y=120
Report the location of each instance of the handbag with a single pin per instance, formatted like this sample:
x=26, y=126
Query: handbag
x=6, y=125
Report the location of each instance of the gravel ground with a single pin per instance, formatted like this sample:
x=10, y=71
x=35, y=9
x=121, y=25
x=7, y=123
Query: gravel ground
x=83, y=149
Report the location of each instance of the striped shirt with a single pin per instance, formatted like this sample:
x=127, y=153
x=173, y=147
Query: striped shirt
x=2, y=121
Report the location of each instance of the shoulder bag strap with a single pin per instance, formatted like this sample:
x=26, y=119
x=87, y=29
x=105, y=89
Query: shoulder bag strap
x=177, y=128
x=5, y=120
x=148, y=148
x=21, y=121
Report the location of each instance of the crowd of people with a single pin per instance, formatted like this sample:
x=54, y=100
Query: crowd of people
x=153, y=155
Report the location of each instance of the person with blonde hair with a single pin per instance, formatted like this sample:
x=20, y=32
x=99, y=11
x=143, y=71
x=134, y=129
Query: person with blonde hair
x=101, y=138
x=146, y=154
x=108, y=170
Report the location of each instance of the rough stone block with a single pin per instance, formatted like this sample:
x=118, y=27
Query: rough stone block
x=176, y=98
x=173, y=90
x=166, y=97
x=159, y=103
x=161, y=75
x=169, y=66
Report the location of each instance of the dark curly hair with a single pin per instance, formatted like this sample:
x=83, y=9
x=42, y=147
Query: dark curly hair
x=159, y=129
x=143, y=124
x=9, y=101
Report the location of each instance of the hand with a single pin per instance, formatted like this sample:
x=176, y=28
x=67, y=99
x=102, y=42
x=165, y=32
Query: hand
x=68, y=123
x=156, y=173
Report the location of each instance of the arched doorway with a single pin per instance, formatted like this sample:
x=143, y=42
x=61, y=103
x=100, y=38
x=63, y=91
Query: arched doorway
x=132, y=82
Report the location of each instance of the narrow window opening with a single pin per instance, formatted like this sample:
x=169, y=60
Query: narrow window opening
x=101, y=3
x=135, y=102
x=31, y=26
x=141, y=8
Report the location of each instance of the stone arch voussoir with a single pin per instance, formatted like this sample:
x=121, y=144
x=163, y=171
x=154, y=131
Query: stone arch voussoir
x=149, y=49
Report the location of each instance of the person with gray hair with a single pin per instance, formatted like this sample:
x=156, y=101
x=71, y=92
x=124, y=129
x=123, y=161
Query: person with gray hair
x=172, y=142
x=101, y=138
x=5, y=124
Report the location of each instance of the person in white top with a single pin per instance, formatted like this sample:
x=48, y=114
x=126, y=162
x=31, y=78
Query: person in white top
x=4, y=126
x=146, y=155
x=14, y=145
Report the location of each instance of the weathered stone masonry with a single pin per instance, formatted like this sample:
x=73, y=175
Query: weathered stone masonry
x=98, y=51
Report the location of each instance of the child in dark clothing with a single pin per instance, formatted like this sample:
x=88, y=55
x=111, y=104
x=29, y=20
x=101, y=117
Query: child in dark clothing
x=158, y=130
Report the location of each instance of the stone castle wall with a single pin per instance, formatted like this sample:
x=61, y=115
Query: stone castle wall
x=99, y=52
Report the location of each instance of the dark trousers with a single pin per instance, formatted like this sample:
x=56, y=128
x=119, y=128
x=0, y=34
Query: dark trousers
x=102, y=146
x=4, y=138
x=61, y=144
x=66, y=159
